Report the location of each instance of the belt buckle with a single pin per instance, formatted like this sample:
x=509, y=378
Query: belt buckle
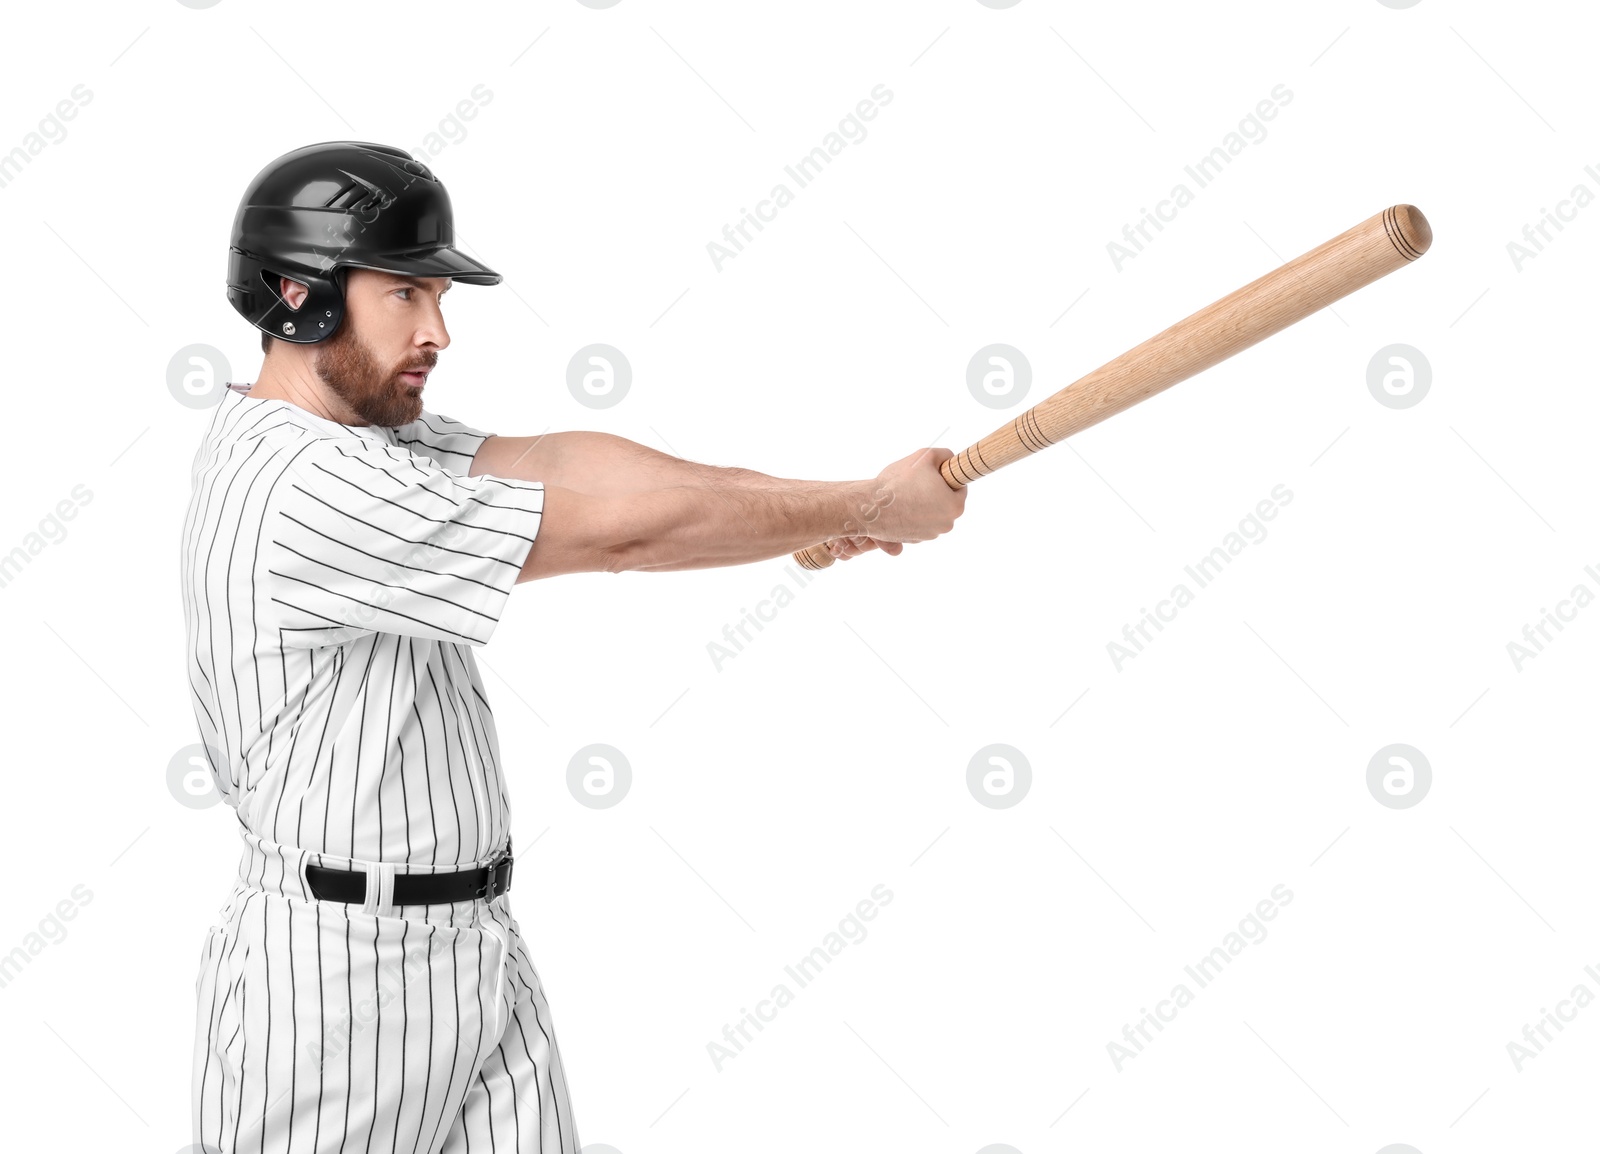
x=491, y=872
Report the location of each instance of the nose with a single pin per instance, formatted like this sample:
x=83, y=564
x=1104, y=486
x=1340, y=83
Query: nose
x=433, y=331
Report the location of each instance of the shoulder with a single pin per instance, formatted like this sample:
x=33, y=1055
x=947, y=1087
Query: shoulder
x=450, y=443
x=319, y=467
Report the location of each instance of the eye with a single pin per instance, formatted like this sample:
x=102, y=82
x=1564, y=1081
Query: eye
x=403, y=293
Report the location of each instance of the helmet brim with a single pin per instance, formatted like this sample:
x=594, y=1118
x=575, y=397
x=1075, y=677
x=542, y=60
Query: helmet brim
x=444, y=261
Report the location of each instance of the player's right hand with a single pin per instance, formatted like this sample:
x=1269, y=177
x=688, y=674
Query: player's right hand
x=911, y=501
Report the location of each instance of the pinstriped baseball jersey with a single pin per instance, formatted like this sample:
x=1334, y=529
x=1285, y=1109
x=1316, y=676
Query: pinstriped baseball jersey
x=335, y=580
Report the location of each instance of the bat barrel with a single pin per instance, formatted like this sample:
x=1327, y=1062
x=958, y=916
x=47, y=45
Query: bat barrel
x=1379, y=245
x=1385, y=241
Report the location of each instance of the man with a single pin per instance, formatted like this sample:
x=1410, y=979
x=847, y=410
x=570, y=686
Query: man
x=344, y=550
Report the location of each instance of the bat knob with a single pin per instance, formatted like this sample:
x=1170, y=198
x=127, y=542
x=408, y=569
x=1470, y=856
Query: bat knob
x=814, y=558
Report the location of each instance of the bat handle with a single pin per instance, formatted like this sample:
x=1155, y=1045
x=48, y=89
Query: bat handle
x=817, y=556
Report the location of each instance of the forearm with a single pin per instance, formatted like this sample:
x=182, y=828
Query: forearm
x=604, y=465
x=695, y=527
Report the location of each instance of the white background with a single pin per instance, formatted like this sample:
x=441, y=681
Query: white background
x=1168, y=797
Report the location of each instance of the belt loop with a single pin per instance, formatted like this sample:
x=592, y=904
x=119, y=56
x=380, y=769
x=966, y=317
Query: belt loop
x=302, y=858
x=380, y=887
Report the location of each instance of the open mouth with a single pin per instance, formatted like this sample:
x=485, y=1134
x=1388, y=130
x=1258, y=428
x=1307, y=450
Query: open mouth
x=414, y=380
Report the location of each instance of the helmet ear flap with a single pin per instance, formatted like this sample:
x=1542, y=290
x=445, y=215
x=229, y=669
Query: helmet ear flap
x=258, y=298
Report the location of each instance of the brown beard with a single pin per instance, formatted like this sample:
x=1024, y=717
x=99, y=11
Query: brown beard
x=351, y=372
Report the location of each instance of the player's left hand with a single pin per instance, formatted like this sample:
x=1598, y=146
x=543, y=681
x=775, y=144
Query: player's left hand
x=844, y=548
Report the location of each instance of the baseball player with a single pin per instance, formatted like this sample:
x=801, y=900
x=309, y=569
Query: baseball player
x=365, y=986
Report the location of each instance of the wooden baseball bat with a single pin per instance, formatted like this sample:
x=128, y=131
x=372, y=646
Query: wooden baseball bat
x=1376, y=247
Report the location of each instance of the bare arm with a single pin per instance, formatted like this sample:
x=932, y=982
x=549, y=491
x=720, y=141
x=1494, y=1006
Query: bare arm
x=601, y=464
x=612, y=505
x=691, y=526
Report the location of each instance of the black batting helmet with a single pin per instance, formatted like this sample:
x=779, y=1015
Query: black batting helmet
x=326, y=207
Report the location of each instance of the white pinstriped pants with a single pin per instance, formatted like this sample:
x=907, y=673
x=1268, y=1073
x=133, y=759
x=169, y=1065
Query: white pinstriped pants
x=325, y=1026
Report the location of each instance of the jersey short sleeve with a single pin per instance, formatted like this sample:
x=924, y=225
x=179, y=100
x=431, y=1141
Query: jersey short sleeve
x=450, y=442
x=360, y=536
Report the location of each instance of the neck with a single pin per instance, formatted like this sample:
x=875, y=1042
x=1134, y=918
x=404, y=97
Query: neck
x=290, y=377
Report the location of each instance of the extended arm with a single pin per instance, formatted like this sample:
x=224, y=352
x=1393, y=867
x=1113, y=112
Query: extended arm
x=612, y=504
x=686, y=527
x=604, y=465
x=703, y=525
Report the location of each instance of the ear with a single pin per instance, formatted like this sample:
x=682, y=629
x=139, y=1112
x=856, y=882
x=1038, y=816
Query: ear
x=292, y=291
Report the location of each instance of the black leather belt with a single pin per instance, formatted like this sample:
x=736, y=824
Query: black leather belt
x=487, y=882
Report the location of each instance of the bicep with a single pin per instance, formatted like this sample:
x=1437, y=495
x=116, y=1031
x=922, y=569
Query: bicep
x=581, y=533
x=522, y=458
x=600, y=464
